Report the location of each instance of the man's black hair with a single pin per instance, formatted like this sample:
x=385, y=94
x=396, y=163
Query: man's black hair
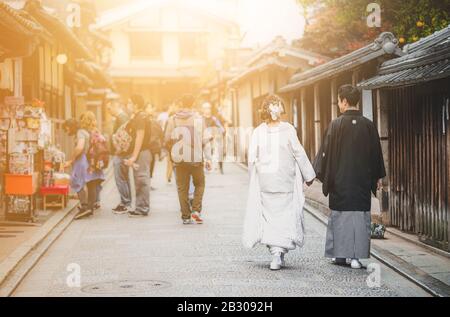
x=187, y=101
x=352, y=94
x=138, y=100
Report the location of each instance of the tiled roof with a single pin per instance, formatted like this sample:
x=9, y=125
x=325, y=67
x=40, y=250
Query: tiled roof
x=385, y=44
x=428, y=41
x=428, y=64
x=96, y=73
x=22, y=22
x=59, y=30
x=279, y=45
x=260, y=67
x=124, y=12
x=272, y=55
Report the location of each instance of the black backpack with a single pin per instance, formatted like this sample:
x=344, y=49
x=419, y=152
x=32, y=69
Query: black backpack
x=153, y=130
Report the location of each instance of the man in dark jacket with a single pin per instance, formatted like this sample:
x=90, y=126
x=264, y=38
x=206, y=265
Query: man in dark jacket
x=350, y=165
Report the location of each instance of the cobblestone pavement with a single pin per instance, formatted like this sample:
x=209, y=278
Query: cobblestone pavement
x=158, y=256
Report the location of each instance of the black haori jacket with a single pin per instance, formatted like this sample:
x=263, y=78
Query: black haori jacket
x=350, y=162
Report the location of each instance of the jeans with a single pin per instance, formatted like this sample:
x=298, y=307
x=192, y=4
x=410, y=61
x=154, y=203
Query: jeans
x=89, y=199
x=152, y=165
x=99, y=190
x=142, y=182
x=122, y=178
x=183, y=175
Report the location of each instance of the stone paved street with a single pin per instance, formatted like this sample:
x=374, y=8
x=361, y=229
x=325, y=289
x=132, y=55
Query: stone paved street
x=159, y=256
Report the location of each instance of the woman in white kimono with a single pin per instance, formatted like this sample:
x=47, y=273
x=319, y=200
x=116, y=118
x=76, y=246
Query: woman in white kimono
x=278, y=167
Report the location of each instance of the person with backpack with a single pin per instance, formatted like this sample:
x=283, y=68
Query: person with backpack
x=121, y=171
x=156, y=138
x=163, y=121
x=188, y=141
x=139, y=156
x=87, y=170
x=218, y=131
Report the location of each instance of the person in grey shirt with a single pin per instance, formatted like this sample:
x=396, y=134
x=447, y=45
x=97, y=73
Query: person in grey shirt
x=140, y=157
x=121, y=171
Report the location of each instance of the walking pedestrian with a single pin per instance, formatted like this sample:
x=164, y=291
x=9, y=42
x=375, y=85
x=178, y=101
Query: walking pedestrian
x=156, y=138
x=121, y=171
x=163, y=119
x=139, y=158
x=189, y=145
x=278, y=167
x=217, y=131
x=350, y=166
x=82, y=173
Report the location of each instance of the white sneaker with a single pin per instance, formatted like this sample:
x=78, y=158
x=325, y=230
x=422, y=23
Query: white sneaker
x=356, y=264
x=276, y=263
x=188, y=222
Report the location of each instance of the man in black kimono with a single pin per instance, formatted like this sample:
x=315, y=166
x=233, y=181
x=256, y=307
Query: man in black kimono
x=350, y=165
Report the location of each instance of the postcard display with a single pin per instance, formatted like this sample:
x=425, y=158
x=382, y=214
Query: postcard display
x=25, y=132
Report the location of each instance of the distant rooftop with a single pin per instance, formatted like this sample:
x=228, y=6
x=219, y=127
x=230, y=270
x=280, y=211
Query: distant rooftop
x=124, y=12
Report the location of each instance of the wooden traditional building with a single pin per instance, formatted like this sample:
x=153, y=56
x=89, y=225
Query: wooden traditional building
x=414, y=106
x=313, y=94
x=27, y=35
x=264, y=73
x=164, y=49
x=57, y=66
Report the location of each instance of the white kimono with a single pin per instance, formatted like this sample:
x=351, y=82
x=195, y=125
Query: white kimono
x=278, y=167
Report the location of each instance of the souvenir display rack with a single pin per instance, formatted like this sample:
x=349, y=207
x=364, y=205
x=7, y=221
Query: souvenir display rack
x=5, y=123
x=28, y=133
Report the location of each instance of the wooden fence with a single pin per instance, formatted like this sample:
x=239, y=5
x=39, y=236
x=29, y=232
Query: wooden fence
x=419, y=152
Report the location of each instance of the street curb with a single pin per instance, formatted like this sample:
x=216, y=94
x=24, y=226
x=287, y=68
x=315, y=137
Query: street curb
x=428, y=283
x=323, y=208
x=16, y=266
x=406, y=237
x=242, y=166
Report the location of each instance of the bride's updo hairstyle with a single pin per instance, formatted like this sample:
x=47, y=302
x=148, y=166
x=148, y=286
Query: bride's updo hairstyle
x=272, y=108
